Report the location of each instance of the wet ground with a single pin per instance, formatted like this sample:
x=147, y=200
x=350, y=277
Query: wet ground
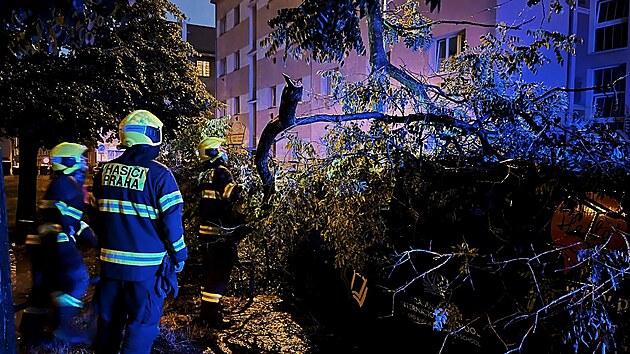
x=256, y=325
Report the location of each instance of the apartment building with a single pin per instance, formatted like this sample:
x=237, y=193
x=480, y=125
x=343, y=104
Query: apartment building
x=251, y=84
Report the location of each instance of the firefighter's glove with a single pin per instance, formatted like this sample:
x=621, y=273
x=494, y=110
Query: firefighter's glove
x=167, y=279
x=47, y=228
x=179, y=266
x=84, y=226
x=87, y=236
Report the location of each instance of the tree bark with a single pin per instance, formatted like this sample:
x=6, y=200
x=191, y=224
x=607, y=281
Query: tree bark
x=291, y=95
x=27, y=187
x=7, y=316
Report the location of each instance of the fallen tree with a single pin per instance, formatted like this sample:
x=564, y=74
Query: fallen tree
x=486, y=209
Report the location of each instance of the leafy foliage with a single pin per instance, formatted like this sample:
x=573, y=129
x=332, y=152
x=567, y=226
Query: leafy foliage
x=327, y=31
x=136, y=61
x=47, y=26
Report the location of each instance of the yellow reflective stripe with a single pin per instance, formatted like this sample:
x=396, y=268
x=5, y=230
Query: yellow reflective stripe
x=46, y=204
x=63, y=208
x=228, y=190
x=169, y=200
x=209, y=194
x=210, y=230
x=210, y=297
x=132, y=258
x=128, y=208
x=48, y=227
x=62, y=299
x=67, y=210
x=33, y=240
x=36, y=310
x=62, y=237
x=179, y=244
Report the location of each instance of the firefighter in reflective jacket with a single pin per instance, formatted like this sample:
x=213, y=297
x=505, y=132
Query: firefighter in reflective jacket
x=219, y=228
x=142, y=241
x=60, y=276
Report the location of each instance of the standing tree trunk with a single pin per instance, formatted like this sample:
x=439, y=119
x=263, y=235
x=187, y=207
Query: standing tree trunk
x=7, y=319
x=27, y=187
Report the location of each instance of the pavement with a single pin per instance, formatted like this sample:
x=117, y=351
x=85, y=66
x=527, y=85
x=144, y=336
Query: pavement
x=22, y=284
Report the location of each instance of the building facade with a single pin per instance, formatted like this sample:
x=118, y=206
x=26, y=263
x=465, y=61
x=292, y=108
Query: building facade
x=203, y=39
x=250, y=84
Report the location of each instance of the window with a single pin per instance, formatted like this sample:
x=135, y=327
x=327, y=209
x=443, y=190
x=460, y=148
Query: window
x=237, y=60
x=326, y=84
x=450, y=46
x=611, y=25
x=236, y=109
x=273, y=96
x=222, y=67
x=203, y=68
x=237, y=15
x=583, y=3
x=609, y=95
x=577, y=95
x=221, y=26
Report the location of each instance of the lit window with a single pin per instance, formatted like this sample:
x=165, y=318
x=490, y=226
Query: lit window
x=611, y=26
x=203, y=68
x=609, y=95
x=449, y=46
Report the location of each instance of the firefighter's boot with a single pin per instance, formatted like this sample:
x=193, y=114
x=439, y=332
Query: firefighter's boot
x=212, y=316
x=68, y=330
x=33, y=322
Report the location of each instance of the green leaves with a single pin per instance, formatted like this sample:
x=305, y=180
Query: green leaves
x=326, y=31
x=136, y=60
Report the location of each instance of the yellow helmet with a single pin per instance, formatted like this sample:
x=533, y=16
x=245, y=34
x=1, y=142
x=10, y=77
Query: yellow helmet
x=140, y=127
x=68, y=157
x=210, y=149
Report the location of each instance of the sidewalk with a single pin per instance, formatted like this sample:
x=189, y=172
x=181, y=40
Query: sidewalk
x=22, y=285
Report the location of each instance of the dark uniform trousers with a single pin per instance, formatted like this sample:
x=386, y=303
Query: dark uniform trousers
x=35, y=315
x=219, y=258
x=138, y=299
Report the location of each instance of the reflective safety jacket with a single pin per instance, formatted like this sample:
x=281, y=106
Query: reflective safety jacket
x=218, y=193
x=59, y=232
x=60, y=214
x=140, y=215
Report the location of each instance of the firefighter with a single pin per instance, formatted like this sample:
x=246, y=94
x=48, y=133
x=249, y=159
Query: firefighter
x=142, y=241
x=220, y=228
x=60, y=276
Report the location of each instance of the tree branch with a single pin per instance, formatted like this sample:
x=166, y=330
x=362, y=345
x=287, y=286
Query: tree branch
x=291, y=95
x=286, y=119
x=378, y=57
